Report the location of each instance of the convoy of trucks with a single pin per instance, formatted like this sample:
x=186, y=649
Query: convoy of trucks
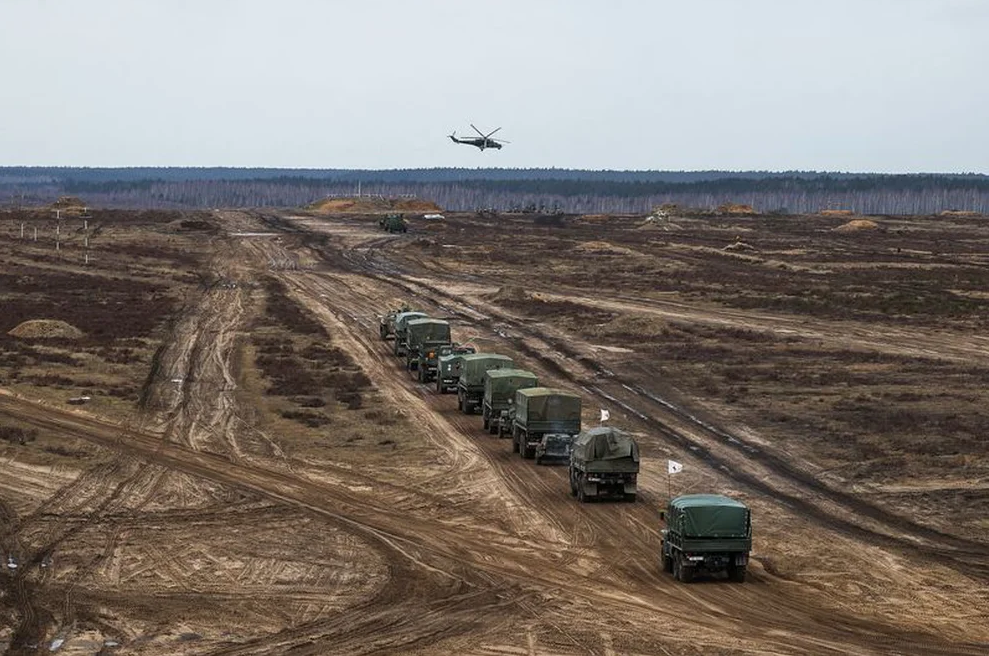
x=705, y=533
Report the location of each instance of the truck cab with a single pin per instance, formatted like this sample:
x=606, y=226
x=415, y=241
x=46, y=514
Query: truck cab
x=448, y=366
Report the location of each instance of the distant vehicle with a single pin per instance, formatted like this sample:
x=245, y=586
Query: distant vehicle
x=707, y=532
x=393, y=223
x=499, y=394
x=448, y=366
x=386, y=323
x=536, y=411
x=482, y=142
x=470, y=384
x=554, y=447
x=433, y=217
x=604, y=462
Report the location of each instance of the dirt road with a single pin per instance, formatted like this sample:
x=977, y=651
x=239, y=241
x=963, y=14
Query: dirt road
x=206, y=530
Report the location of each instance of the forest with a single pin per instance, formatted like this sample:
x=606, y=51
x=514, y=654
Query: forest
x=454, y=189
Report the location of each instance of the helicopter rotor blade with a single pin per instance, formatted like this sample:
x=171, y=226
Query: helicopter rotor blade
x=476, y=130
x=488, y=135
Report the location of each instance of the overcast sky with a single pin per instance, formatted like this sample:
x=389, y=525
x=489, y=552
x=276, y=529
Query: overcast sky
x=851, y=85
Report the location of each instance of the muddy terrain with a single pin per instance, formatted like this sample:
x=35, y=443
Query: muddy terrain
x=207, y=448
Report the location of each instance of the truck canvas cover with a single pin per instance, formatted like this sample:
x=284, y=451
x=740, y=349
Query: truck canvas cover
x=500, y=384
x=403, y=317
x=711, y=516
x=420, y=331
x=473, y=366
x=547, y=404
x=607, y=449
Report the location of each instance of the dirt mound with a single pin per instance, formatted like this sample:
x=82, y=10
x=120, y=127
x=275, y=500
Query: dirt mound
x=836, y=212
x=857, y=225
x=65, y=202
x=510, y=293
x=735, y=208
x=964, y=213
x=739, y=246
x=631, y=326
x=44, y=329
x=372, y=205
x=191, y=225
x=603, y=247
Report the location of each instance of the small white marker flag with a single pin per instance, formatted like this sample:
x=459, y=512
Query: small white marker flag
x=605, y=415
x=673, y=467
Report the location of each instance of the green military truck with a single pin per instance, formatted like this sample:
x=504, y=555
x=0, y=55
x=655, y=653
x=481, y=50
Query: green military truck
x=706, y=532
x=499, y=391
x=401, y=319
x=604, y=462
x=536, y=411
x=448, y=366
x=470, y=384
x=393, y=223
x=386, y=322
x=423, y=338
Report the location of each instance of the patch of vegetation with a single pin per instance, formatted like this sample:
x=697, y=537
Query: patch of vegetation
x=310, y=419
x=17, y=435
x=283, y=311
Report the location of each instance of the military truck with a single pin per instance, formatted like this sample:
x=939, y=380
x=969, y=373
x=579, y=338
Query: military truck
x=393, y=223
x=401, y=319
x=470, y=385
x=448, y=366
x=604, y=462
x=423, y=337
x=706, y=532
x=536, y=411
x=386, y=322
x=554, y=447
x=499, y=391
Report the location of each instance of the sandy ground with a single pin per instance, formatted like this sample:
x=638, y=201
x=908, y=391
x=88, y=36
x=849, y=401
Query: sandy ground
x=199, y=526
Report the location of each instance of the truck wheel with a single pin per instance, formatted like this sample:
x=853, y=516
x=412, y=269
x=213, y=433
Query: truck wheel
x=383, y=332
x=667, y=563
x=736, y=573
x=684, y=574
x=630, y=497
x=515, y=445
x=492, y=428
x=581, y=497
x=439, y=385
x=573, y=487
x=486, y=423
x=539, y=460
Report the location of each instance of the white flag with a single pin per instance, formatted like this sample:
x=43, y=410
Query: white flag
x=605, y=415
x=673, y=467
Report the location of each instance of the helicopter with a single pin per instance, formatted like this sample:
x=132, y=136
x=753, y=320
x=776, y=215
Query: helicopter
x=482, y=142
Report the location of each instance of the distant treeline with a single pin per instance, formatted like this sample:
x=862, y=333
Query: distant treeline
x=503, y=189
